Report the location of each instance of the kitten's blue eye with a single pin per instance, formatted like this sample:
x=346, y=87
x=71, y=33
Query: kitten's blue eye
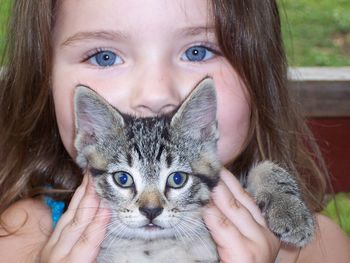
x=123, y=179
x=105, y=59
x=177, y=179
x=197, y=54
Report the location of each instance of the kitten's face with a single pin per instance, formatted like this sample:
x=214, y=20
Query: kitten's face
x=154, y=173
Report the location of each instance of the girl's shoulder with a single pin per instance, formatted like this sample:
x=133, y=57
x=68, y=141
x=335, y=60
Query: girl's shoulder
x=330, y=244
x=25, y=228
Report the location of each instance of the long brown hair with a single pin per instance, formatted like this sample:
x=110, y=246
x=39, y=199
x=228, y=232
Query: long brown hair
x=249, y=33
x=32, y=156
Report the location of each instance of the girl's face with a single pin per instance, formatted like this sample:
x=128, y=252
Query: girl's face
x=144, y=57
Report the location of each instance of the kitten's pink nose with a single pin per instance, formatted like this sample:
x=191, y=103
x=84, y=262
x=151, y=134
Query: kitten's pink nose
x=151, y=212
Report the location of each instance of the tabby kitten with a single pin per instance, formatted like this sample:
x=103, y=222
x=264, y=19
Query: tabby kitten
x=156, y=174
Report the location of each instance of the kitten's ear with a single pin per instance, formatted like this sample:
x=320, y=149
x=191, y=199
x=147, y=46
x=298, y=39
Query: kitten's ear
x=95, y=118
x=196, y=117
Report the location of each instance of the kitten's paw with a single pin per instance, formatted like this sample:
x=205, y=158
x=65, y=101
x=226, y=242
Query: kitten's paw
x=279, y=197
x=288, y=217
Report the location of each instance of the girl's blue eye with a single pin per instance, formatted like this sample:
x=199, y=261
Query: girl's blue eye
x=123, y=179
x=197, y=54
x=105, y=59
x=177, y=180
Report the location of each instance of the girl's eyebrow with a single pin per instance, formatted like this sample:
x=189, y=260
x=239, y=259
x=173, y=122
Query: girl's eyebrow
x=196, y=30
x=93, y=35
x=114, y=35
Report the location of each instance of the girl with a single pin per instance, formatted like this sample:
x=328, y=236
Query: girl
x=144, y=57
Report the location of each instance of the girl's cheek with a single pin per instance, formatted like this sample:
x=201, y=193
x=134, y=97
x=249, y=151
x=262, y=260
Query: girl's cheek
x=65, y=122
x=230, y=149
x=233, y=115
x=63, y=93
x=233, y=133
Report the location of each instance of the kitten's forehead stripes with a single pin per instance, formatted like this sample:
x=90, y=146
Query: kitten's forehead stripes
x=169, y=160
x=160, y=151
x=136, y=148
x=129, y=159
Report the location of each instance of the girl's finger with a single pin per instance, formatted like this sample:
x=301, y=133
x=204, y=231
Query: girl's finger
x=92, y=237
x=233, y=246
x=84, y=215
x=79, y=193
x=222, y=230
x=235, y=212
x=70, y=212
x=242, y=196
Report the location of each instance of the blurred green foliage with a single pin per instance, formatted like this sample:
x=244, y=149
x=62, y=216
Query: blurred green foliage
x=316, y=32
x=4, y=10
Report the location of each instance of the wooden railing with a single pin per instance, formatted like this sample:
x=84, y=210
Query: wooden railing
x=322, y=92
x=324, y=97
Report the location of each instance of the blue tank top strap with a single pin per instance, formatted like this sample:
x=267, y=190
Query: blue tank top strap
x=56, y=208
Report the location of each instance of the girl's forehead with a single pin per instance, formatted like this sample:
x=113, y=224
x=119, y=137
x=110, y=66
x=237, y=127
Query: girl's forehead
x=136, y=16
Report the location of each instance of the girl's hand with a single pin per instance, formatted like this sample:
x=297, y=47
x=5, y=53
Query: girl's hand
x=80, y=230
x=237, y=225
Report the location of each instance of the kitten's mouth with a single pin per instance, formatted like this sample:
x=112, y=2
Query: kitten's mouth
x=152, y=227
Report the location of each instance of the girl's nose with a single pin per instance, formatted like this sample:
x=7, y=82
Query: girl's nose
x=155, y=92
